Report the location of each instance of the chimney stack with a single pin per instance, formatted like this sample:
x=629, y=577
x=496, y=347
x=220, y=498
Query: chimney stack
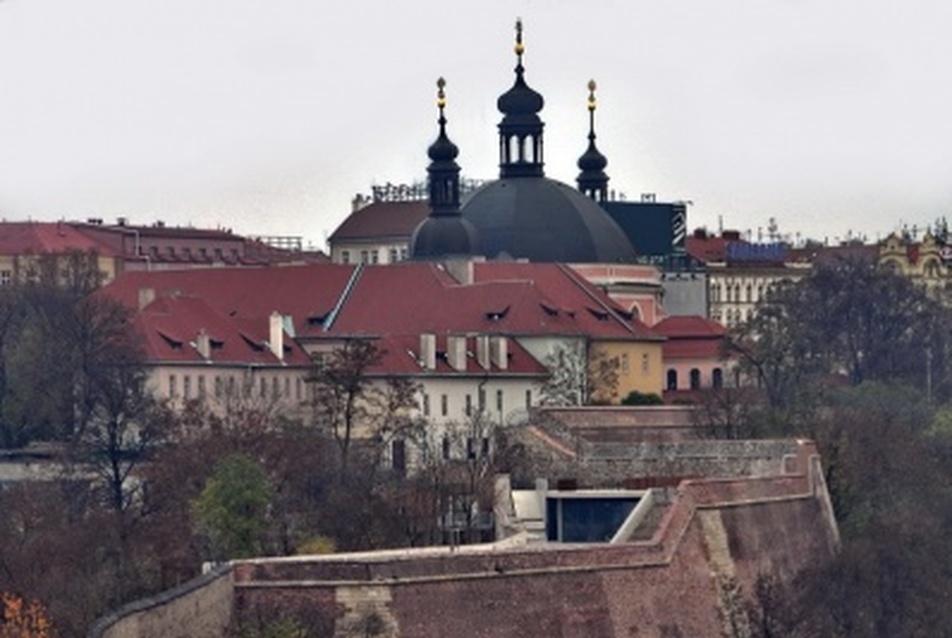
x=276, y=340
x=456, y=352
x=203, y=344
x=428, y=351
x=499, y=351
x=146, y=296
x=482, y=351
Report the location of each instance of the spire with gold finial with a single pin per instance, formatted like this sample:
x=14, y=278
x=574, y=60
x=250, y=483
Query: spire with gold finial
x=520, y=131
x=592, y=180
x=444, y=232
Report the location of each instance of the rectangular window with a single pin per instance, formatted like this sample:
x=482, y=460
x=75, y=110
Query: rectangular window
x=482, y=399
x=287, y=387
x=398, y=457
x=404, y=254
x=394, y=256
x=364, y=257
x=444, y=405
x=374, y=256
x=644, y=363
x=187, y=387
x=625, y=365
x=6, y=277
x=469, y=405
x=426, y=405
x=264, y=387
x=201, y=386
x=499, y=401
x=173, y=390
x=218, y=387
x=276, y=388
x=345, y=256
x=297, y=388
x=528, y=399
x=446, y=447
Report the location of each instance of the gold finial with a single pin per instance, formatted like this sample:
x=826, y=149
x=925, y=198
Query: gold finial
x=440, y=93
x=519, y=46
x=591, y=95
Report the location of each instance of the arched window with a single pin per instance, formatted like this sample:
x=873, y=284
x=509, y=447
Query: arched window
x=748, y=294
x=672, y=379
x=695, y=379
x=717, y=378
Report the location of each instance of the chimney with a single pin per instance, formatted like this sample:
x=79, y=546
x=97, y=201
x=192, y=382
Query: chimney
x=203, y=344
x=482, y=351
x=276, y=340
x=146, y=296
x=428, y=351
x=499, y=352
x=456, y=352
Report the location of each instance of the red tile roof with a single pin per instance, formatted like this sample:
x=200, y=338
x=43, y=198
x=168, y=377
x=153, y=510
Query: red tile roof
x=706, y=249
x=306, y=293
x=402, y=352
x=21, y=238
x=170, y=327
x=691, y=337
x=380, y=220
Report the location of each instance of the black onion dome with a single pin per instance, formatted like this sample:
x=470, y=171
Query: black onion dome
x=544, y=220
x=592, y=161
x=442, y=149
x=520, y=103
x=444, y=233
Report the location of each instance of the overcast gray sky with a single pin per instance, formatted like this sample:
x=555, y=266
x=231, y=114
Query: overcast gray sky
x=268, y=117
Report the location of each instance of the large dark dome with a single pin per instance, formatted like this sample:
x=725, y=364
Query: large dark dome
x=543, y=220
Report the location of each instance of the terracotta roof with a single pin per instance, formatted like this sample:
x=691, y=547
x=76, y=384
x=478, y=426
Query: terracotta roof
x=596, y=313
x=21, y=238
x=691, y=337
x=380, y=220
x=689, y=326
x=170, y=326
x=402, y=356
x=307, y=293
x=706, y=249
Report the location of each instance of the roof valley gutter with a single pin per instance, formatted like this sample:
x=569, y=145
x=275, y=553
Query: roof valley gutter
x=351, y=284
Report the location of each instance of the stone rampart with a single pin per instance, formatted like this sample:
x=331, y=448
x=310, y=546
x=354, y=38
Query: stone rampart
x=201, y=607
x=689, y=579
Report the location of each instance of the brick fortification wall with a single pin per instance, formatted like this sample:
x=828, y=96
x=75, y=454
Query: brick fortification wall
x=689, y=580
x=201, y=607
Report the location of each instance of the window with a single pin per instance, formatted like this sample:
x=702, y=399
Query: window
x=394, y=256
x=717, y=378
x=404, y=254
x=695, y=379
x=482, y=399
x=374, y=256
x=398, y=456
x=218, y=256
x=499, y=401
x=446, y=447
x=645, y=363
x=231, y=386
x=748, y=293
x=201, y=386
x=173, y=390
x=426, y=405
x=297, y=388
x=264, y=387
x=625, y=365
x=528, y=399
x=364, y=257
x=6, y=277
x=345, y=256
x=218, y=387
x=444, y=405
x=469, y=405
x=672, y=379
x=287, y=387
x=275, y=388
x=187, y=387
